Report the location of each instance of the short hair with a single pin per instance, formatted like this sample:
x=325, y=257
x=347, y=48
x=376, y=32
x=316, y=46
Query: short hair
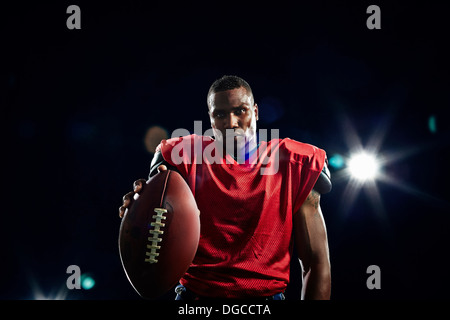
x=228, y=82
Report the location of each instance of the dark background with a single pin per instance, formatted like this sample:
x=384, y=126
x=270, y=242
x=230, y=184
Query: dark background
x=76, y=105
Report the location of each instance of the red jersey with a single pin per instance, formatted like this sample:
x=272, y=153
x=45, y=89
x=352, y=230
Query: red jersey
x=246, y=237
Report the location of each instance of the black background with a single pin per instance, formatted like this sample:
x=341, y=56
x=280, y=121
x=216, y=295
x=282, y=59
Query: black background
x=76, y=105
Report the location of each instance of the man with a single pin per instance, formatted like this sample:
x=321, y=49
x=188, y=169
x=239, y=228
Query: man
x=256, y=200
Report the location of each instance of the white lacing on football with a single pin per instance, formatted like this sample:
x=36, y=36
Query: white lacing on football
x=156, y=231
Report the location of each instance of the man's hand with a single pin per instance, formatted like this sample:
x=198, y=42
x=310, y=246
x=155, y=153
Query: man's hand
x=138, y=186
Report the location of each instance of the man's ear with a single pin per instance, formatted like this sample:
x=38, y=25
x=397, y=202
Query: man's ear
x=256, y=112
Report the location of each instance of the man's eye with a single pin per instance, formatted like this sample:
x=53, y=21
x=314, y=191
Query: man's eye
x=220, y=115
x=240, y=111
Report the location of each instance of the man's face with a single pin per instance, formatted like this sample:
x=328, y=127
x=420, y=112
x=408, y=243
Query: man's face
x=233, y=109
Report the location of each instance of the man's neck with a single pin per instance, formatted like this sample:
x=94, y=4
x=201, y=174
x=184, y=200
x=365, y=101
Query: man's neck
x=243, y=155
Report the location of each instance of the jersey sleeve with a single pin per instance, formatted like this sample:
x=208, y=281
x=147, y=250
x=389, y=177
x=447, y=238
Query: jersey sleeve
x=182, y=153
x=310, y=161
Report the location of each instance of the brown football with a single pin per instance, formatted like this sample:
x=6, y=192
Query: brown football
x=159, y=235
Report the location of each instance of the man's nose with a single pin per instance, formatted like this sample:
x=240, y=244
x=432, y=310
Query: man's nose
x=231, y=121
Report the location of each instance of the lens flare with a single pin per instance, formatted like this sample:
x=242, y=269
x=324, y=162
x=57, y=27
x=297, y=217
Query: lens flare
x=363, y=166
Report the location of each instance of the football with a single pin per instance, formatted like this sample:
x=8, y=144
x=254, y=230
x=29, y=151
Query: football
x=159, y=235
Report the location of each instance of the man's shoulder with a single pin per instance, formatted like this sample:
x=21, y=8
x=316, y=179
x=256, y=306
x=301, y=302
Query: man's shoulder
x=300, y=152
x=296, y=147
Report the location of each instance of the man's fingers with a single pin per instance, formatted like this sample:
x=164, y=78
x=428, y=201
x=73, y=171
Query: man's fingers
x=127, y=199
x=121, y=211
x=138, y=185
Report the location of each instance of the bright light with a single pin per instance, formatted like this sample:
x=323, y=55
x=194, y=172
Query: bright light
x=87, y=282
x=38, y=294
x=363, y=166
x=336, y=161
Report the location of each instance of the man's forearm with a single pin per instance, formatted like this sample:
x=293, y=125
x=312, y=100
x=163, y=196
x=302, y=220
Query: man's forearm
x=317, y=283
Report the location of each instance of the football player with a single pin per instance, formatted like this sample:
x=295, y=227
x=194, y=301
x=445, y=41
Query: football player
x=257, y=199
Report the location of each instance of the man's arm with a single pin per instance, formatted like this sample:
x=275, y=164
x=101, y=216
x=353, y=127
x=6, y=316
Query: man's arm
x=312, y=249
